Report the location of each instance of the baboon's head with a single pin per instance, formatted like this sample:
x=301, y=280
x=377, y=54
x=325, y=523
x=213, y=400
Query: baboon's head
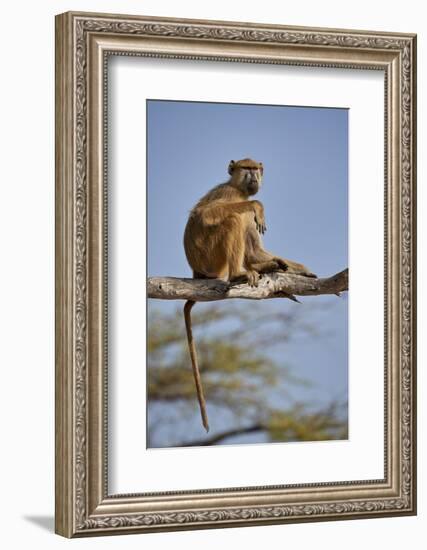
x=246, y=175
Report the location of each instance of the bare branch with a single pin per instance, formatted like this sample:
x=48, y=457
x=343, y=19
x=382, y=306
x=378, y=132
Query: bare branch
x=271, y=285
x=213, y=440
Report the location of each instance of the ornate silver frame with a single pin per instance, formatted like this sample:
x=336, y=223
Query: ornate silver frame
x=83, y=505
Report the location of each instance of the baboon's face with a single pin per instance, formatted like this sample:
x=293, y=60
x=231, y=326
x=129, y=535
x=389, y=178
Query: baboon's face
x=247, y=175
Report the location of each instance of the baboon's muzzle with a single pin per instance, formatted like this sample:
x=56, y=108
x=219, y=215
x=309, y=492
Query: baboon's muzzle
x=253, y=187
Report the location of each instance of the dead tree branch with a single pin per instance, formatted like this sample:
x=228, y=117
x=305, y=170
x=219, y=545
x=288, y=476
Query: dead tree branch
x=271, y=285
x=217, y=438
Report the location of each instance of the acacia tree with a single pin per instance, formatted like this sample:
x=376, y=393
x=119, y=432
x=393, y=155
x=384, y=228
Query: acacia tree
x=248, y=390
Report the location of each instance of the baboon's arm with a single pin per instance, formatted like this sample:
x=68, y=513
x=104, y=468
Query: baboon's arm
x=214, y=214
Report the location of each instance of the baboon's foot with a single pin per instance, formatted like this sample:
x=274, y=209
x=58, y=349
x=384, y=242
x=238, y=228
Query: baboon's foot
x=303, y=271
x=249, y=276
x=307, y=273
x=253, y=277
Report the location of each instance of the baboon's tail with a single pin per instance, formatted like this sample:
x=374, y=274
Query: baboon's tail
x=197, y=379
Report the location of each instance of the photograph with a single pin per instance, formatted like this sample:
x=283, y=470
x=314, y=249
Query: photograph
x=238, y=194
x=215, y=209
x=235, y=273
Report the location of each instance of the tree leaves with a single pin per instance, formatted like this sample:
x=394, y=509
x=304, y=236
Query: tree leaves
x=246, y=390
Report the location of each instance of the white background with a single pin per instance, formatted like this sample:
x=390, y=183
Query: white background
x=27, y=275
x=362, y=456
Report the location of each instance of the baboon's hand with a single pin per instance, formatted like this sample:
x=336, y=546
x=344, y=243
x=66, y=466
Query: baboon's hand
x=281, y=264
x=259, y=217
x=294, y=267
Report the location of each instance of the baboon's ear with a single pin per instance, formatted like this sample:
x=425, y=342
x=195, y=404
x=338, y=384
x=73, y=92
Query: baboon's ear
x=261, y=168
x=231, y=167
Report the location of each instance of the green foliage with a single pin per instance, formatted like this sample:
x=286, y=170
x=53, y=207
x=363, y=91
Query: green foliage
x=239, y=377
x=298, y=425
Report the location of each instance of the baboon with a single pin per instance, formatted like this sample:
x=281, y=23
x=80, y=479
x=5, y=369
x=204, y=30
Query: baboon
x=222, y=240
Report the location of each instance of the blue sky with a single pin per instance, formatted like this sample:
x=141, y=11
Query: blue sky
x=305, y=194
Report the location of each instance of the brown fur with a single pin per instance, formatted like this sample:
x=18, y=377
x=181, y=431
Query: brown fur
x=222, y=240
x=222, y=237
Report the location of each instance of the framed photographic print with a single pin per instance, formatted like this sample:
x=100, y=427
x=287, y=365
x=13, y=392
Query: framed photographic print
x=235, y=274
